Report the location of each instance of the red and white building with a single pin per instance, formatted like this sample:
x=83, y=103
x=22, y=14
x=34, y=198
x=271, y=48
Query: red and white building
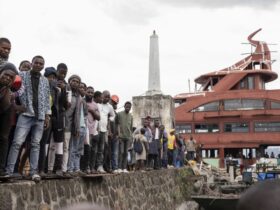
x=233, y=113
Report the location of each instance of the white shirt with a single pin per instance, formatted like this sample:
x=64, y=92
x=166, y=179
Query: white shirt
x=157, y=133
x=106, y=112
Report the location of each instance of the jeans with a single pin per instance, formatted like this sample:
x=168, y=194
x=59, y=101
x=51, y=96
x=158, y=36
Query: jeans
x=93, y=154
x=76, y=150
x=44, y=148
x=175, y=154
x=100, y=148
x=123, y=150
x=115, y=153
x=153, y=161
x=5, y=126
x=66, y=151
x=24, y=125
x=170, y=156
x=108, y=154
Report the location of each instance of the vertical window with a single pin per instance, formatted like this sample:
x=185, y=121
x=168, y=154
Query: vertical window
x=250, y=83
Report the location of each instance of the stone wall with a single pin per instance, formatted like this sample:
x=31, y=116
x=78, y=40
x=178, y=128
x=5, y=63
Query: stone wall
x=161, y=189
x=157, y=106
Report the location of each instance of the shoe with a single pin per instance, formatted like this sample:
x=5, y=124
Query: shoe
x=100, y=169
x=72, y=174
x=42, y=174
x=66, y=174
x=4, y=174
x=50, y=172
x=36, y=178
x=125, y=171
x=59, y=173
x=120, y=171
x=116, y=171
x=80, y=173
x=93, y=171
x=88, y=171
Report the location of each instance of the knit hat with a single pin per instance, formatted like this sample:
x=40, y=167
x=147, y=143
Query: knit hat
x=74, y=76
x=8, y=66
x=49, y=71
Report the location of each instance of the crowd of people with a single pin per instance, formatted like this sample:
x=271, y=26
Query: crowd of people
x=67, y=128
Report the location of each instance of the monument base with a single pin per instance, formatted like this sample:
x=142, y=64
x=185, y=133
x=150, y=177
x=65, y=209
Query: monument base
x=159, y=107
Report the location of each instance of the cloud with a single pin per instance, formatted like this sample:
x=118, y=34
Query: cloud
x=262, y=4
x=130, y=12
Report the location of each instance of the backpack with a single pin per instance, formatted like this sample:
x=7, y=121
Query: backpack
x=137, y=146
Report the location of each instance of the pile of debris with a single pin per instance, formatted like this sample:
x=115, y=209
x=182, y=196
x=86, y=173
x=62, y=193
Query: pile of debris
x=216, y=182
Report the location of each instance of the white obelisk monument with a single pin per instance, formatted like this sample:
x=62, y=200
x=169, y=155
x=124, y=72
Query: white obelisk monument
x=154, y=103
x=154, y=72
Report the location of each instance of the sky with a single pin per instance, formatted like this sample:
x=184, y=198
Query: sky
x=106, y=42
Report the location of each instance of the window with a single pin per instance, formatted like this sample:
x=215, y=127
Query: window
x=267, y=126
x=247, y=83
x=232, y=104
x=262, y=84
x=244, y=104
x=206, y=128
x=275, y=105
x=210, y=153
x=242, y=84
x=184, y=128
x=251, y=83
x=248, y=104
x=236, y=127
x=213, y=106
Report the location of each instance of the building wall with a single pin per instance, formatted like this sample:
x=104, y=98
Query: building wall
x=156, y=106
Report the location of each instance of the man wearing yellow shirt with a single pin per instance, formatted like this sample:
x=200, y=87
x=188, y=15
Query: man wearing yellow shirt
x=171, y=147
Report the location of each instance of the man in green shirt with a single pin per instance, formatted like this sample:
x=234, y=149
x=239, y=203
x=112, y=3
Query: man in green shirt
x=124, y=123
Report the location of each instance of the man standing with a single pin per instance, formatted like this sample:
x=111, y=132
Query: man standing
x=94, y=128
x=191, y=147
x=36, y=101
x=154, y=146
x=84, y=162
x=73, y=117
x=59, y=91
x=113, y=141
x=93, y=118
x=50, y=74
x=78, y=135
x=125, y=124
x=171, y=148
x=8, y=73
x=106, y=112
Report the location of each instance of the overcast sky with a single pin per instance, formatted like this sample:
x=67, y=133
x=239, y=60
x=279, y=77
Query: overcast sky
x=107, y=41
